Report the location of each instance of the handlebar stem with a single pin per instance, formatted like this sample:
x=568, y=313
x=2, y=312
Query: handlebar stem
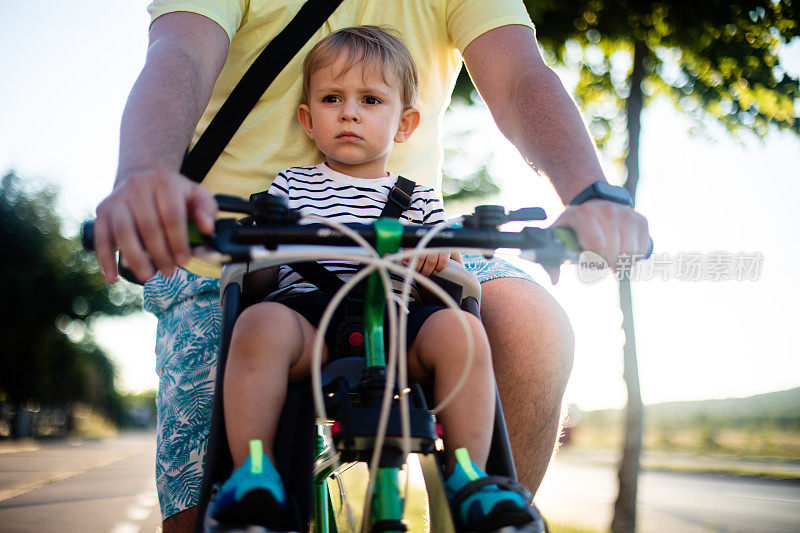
x=388, y=233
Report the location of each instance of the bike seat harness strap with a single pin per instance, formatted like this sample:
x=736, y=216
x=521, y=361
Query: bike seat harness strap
x=399, y=198
x=399, y=201
x=346, y=344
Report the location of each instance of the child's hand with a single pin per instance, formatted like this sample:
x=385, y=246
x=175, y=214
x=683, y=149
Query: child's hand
x=430, y=263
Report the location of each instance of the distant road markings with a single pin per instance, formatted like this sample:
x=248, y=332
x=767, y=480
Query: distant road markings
x=145, y=501
x=136, y=512
x=126, y=527
x=763, y=498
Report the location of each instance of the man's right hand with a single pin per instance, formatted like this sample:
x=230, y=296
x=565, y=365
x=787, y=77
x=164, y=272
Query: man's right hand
x=146, y=213
x=145, y=217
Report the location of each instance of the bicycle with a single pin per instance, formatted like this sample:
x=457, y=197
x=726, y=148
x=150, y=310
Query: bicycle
x=378, y=417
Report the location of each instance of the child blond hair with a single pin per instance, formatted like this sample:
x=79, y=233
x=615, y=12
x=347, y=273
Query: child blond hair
x=376, y=46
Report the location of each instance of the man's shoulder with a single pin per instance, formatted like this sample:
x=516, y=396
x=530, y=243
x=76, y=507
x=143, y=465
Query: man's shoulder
x=228, y=14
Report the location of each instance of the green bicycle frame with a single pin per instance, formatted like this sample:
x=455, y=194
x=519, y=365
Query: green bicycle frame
x=386, y=502
x=324, y=515
x=388, y=233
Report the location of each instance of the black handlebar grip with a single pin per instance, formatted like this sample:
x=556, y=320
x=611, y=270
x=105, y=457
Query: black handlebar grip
x=87, y=235
x=570, y=240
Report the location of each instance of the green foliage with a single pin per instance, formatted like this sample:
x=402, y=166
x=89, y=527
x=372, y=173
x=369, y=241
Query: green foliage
x=766, y=425
x=139, y=409
x=466, y=175
x=464, y=91
x=478, y=184
x=51, y=291
x=714, y=59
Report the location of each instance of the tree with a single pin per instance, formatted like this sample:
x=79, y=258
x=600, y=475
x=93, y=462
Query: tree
x=466, y=175
x=716, y=60
x=51, y=291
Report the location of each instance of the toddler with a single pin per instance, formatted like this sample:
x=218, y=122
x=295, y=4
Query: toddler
x=359, y=90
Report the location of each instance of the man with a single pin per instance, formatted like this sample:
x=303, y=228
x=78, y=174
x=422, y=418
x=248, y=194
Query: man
x=193, y=61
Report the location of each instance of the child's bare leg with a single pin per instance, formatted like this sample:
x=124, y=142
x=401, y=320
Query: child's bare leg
x=271, y=345
x=440, y=353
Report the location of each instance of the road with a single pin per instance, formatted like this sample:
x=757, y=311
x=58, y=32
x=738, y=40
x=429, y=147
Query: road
x=108, y=487
x=79, y=486
x=583, y=495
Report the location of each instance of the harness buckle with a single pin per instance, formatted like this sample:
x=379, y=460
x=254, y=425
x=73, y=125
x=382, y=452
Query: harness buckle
x=399, y=198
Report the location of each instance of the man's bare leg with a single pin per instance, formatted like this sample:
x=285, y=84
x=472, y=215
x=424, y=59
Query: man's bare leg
x=182, y=522
x=532, y=350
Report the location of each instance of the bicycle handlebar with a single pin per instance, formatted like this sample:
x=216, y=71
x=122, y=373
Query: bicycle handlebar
x=277, y=225
x=235, y=240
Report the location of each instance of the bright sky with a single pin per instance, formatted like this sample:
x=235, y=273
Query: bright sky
x=68, y=69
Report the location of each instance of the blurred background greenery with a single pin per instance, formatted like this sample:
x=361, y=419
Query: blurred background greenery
x=53, y=377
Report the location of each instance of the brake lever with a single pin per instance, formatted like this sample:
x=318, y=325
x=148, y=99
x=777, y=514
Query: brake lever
x=494, y=216
x=233, y=204
x=525, y=214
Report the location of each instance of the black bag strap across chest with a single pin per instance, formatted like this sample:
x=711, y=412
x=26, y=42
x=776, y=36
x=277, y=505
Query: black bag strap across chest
x=272, y=60
x=399, y=200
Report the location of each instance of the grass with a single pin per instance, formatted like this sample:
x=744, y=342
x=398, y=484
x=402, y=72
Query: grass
x=565, y=528
x=699, y=446
x=724, y=471
x=702, y=437
x=90, y=425
x=355, y=480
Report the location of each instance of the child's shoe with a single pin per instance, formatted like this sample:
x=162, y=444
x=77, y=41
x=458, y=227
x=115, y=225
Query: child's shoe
x=483, y=503
x=253, y=495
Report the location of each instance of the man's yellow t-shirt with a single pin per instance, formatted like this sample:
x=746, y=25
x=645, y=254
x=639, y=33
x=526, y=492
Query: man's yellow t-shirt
x=271, y=138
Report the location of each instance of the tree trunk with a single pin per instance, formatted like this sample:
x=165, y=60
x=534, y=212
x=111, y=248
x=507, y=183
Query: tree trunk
x=624, y=520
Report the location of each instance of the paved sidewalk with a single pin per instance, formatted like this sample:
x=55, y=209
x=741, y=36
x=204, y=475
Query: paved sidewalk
x=74, y=486
x=14, y=446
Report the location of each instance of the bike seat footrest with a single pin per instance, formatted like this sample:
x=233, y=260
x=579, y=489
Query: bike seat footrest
x=356, y=427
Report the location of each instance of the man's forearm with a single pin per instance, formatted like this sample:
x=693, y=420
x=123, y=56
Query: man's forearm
x=532, y=108
x=145, y=215
x=544, y=124
x=184, y=58
x=161, y=114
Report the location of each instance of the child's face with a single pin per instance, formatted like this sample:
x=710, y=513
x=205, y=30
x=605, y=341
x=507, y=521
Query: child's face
x=355, y=117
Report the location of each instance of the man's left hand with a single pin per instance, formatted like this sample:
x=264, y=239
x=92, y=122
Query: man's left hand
x=606, y=228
